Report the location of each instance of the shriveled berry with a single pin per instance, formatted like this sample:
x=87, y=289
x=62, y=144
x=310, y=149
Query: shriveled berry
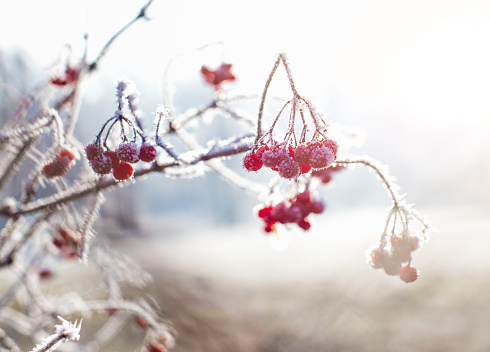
x=128, y=152
x=123, y=171
x=148, y=153
x=408, y=274
x=252, y=162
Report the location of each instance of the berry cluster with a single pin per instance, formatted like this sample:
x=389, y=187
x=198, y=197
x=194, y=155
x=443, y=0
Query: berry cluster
x=293, y=212
x=290, y=162
x=391, y=258
x=119, y=161
x=67, y=243
x=63, y=161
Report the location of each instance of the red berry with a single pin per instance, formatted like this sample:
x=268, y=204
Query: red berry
x=263, y=212
x=113, y=156
x=101, y=164
x=303, y=197
x=123, y=171
x=289, y=168
x=252, y=162
x=269, y=227
x=274, y=157
x=67, y=155
x=128, y=152
x=148, y=153
x=321, y=156
x=91, y=150
x=316, y=207
x=304, y=224
x=302, y=154
x=409, y=274
x=305, y=168
x=261, y=151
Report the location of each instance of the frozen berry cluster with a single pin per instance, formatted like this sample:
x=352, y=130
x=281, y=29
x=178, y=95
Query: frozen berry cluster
x=119, y=161
x=63, y=161
x=392, y=258
x=295, y=211
x=290, y=162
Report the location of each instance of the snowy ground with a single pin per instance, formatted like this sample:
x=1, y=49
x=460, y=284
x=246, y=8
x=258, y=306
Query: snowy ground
x=230, y=289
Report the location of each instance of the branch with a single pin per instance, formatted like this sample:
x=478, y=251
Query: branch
x=141, y=14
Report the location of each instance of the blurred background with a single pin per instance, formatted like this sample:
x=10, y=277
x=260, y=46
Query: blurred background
x=412, y=76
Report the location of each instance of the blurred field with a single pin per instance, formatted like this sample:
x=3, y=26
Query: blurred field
x=229, y=290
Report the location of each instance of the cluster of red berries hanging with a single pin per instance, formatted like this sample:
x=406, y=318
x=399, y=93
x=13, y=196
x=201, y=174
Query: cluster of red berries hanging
x=295, y=211
x=104, y=160
x=291, y=162
x=394, y=258
x=119, y=161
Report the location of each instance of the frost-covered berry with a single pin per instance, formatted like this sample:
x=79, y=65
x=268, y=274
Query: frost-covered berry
x=128, y=152
x=148, y=153
x=91, y=151
x=123, y=171
x=101, y=164
x=377, y=258
x=322, y=155
x=392, y=266
x=289, y=168
x=408, y=274
x=274, y=157
x=113, y=156
x=252, y=162
x=302, y=154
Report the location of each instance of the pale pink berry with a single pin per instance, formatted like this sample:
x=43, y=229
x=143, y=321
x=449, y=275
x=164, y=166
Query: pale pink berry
x=392, y=266
x=128, y=152
x=408, y=274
